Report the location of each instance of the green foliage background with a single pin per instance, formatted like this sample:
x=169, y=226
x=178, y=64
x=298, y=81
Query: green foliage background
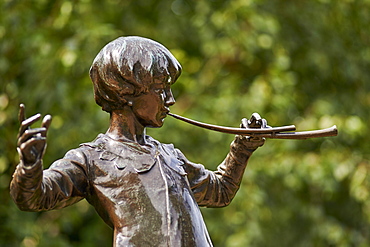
x=295, y=62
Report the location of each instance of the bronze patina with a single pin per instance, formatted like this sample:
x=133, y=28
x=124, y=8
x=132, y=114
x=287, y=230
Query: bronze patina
x=147, y=191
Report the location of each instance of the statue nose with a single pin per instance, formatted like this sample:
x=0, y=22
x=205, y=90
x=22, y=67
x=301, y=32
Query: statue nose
x=170, y=99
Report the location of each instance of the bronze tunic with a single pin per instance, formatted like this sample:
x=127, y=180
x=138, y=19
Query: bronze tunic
x=149, y=194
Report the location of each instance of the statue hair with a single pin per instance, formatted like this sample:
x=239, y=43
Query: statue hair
x=127, y=66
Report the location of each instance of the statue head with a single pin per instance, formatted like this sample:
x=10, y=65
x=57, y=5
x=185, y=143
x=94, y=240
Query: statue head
x=128, y=66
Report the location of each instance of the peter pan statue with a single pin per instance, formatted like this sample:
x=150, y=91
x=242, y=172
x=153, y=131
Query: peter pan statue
x=148, y=192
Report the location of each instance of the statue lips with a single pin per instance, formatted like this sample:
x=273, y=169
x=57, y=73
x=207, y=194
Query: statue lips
x=164, y=114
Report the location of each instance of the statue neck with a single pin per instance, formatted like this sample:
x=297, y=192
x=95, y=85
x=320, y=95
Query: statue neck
x=125, y=126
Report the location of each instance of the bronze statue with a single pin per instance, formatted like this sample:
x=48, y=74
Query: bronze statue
x=148, y=192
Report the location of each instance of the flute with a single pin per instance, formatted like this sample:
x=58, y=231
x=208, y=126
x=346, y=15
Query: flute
x=271, y=132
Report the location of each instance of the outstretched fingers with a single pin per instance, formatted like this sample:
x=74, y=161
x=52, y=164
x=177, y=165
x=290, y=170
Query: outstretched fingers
x=25, y=132
x=25, y=124
x=21, y=113
x=46, y=124
x=31, y=141
x=37, y=133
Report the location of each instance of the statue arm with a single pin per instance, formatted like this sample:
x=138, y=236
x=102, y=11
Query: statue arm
x=64, y=183
x=33, y=189
x=218, y=188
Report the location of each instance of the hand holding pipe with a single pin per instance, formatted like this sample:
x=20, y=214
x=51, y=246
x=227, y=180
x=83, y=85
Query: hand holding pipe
x=272, y=132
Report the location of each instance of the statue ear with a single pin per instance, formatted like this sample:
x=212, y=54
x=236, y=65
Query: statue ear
x=127, y=100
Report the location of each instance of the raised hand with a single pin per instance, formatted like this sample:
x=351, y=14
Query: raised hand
x=31, y=142
x=255, y=122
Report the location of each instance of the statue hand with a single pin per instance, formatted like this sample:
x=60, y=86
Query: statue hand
x=31, y=142
x=254, y=122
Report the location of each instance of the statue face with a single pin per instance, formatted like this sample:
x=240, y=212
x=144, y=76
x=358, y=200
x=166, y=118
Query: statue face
x=152, y=107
